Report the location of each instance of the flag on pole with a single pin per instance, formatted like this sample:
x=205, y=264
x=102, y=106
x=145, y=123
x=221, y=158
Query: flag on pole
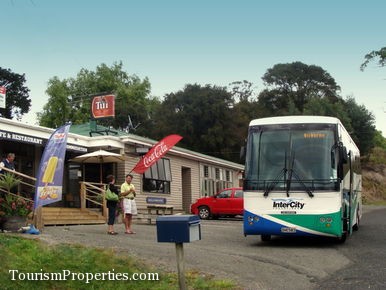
x=3, y=91
x=49, y=182
x=156, y=152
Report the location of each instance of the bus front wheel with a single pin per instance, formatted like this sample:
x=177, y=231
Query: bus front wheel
x=342, y=238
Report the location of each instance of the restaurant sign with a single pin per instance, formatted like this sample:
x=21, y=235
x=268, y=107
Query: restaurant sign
x=5, y=135
x=11, y=136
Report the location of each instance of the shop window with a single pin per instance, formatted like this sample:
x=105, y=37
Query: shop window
x=228, y=175
x=158, y=177
x=208, y=187
x=206, y=171
x=217, y=170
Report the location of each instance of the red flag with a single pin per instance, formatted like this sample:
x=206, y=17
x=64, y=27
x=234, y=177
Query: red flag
x=156, y=152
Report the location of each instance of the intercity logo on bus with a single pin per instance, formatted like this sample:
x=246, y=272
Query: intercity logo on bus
x=291, y=203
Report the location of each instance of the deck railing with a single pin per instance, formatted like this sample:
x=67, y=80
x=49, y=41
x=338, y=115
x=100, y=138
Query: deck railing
x=92, y=196
x=27, y=180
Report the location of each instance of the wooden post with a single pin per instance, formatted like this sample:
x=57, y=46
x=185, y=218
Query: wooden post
x=38, y=219
x=180, y=265
x=82, y=196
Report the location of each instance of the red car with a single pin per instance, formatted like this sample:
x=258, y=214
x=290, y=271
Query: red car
x=228, y=202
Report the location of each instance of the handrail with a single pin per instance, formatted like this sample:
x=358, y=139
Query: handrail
x=94, y=193
x=18, y=173
x=32, y=181
x=16, y=195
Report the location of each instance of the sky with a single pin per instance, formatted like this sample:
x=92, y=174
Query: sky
x=178, y=42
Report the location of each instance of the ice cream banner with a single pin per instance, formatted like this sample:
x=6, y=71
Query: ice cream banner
x=49, y=182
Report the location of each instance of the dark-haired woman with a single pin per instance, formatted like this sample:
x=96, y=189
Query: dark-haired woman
x=111, y=205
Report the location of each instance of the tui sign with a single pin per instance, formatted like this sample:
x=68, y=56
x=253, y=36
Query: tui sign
x=103, y=106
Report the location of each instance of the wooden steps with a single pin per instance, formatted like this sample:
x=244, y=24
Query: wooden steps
x=70, y=216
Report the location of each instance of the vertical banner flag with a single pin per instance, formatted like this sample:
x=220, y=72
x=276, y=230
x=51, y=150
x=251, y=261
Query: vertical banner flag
x=156, y=152
x=2, y=97
x=49, y=182
x=103, y=106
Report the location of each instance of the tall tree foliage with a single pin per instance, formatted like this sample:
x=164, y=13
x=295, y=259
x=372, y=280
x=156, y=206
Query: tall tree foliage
x=70, y=99
x=18, y=101
x=245, y=108
x=292, y=85
x=57, y=111
x=323, y=107
x=362, y=123
x=203, y=116
x=379, y=55
x=299, y=89
x=242, y=91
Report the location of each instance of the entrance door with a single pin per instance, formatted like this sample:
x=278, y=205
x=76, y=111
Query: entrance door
x=186, y=189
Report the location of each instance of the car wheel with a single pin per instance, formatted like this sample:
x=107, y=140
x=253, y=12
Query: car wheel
x=204, y=212
x=265, y=238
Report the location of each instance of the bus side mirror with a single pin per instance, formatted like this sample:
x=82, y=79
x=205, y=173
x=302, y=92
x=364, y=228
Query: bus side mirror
x=343, y=154
x=243, y=151
x=332, y=159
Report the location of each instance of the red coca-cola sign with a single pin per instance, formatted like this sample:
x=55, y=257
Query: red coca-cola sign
x=156, y=152
x=103, y=106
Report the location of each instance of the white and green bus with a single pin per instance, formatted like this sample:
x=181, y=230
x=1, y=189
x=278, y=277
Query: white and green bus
x=302, y=178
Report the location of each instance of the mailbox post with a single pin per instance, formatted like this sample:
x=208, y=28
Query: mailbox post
x=179, y=229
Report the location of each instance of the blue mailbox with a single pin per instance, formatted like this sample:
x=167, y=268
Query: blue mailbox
x=178, y=228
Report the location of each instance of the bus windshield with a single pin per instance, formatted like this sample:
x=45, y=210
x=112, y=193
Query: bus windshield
x=291, y=157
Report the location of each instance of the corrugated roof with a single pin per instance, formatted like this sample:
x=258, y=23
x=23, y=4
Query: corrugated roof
x=90, y=129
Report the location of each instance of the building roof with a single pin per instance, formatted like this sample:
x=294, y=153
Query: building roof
x=107, y=138
x=93, y=129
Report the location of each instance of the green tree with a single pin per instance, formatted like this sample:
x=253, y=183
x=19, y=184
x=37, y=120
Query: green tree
x=203, y=116
x=379, y=140
x=375, y=54
x=245, y=109
x=290, y=86
x=57, y=111
x=18, y=101
x=242, y=91
x=322, y=107
x=362, y=123
x=70, y=99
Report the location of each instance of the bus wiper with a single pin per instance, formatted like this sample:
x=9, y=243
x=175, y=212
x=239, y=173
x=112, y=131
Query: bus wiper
x=278, y=177
x=291, y=172
x=275, y=181
x=289, y=178
x=309, y=191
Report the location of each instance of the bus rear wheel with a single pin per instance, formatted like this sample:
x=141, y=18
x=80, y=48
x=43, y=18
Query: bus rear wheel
x=356, y=226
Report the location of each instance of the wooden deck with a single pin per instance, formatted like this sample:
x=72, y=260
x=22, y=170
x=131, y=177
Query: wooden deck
x=70, y=216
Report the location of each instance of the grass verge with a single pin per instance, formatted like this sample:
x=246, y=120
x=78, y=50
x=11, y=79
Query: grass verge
x=36, y=265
